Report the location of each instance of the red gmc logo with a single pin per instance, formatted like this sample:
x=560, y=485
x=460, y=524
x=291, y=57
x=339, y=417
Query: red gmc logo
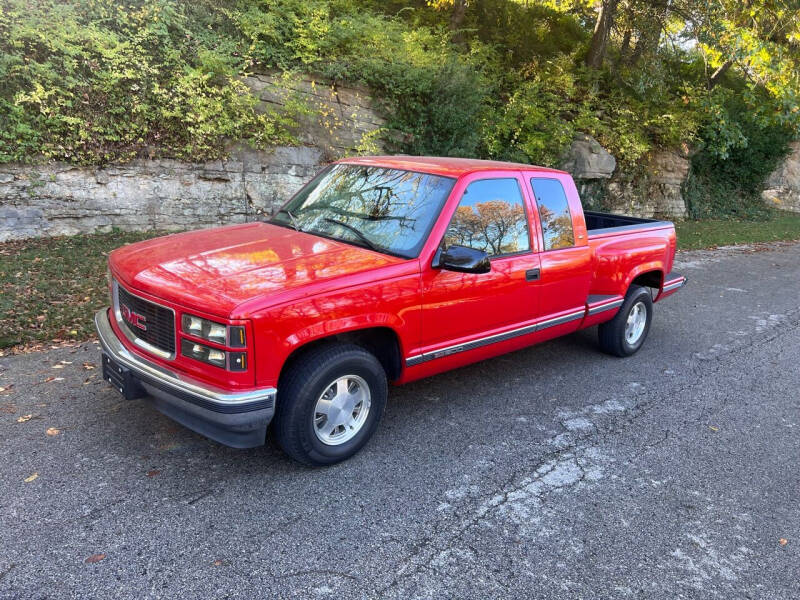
x=133, y=318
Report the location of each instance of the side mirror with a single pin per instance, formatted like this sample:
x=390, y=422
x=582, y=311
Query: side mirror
x=462, y=260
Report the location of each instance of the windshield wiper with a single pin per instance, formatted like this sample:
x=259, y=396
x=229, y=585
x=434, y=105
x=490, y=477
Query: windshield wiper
x=292, y=217
x=361, y=236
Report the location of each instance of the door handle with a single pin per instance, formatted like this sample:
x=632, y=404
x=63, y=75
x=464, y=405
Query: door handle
x=532, y=275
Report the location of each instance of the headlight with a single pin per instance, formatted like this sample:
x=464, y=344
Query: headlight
x=233, y=361
x=204, y=353
x=229, y=335
x=232, y=336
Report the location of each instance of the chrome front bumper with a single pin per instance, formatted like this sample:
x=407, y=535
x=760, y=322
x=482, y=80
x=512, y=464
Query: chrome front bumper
x=237, y=419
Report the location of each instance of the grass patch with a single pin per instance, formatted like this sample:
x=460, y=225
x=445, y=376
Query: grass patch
x=693, y=235
x=53, y=286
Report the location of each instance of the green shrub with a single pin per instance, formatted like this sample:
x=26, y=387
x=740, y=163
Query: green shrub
x=738, y=151
x=94, y=81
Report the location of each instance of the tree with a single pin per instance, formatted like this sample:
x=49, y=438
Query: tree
x=761, y=39
x=458, y=10
x=602, y=32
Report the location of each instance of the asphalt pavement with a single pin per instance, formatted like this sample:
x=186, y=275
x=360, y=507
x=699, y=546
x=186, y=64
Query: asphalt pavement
x=553, y=472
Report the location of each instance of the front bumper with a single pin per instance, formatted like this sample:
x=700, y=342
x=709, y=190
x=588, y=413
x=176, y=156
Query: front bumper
x=237, y=419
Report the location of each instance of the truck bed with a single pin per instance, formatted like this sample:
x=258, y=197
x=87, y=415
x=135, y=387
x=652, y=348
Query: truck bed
x=599, y=223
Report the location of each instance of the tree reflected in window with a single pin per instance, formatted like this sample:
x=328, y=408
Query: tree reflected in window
x=553, y=213
x=389, y=210
x=490, y=217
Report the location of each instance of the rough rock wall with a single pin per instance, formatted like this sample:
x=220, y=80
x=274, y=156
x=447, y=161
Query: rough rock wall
x=62, y=199
x=654, y=190
x=58, y=199
x=783, y=185
x=340, y=120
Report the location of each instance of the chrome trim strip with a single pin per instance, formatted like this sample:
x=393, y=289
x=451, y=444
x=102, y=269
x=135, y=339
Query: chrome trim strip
x=493, y=339
x=147, y=347
x=672, y=285
x=180, y=383
x=607, y=306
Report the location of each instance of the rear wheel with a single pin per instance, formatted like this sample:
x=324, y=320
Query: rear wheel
x=329, y=404
x=625, y=333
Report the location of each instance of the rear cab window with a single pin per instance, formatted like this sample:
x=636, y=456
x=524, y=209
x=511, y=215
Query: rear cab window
x=490, y=217
x=554, y=213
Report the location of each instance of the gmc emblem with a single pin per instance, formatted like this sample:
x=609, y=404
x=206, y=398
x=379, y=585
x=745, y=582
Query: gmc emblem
x=133, y=318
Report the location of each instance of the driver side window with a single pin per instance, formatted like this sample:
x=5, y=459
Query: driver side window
x=490, y=217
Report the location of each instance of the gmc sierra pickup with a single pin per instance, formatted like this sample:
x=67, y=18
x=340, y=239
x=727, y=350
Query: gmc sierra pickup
x=381, y=269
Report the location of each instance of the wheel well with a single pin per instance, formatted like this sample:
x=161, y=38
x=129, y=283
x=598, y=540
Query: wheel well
x=382, y=342
x=651, y=279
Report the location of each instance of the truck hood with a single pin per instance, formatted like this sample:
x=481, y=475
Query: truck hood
x=216, y=270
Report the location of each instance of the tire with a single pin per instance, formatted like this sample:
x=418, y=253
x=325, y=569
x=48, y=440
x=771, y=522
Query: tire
x=337, y=376
x=615, y=336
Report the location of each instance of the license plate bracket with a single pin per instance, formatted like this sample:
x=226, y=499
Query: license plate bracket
x=122, y=378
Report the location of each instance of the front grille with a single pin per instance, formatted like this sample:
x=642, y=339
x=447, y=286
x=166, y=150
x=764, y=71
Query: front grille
x=159, y=322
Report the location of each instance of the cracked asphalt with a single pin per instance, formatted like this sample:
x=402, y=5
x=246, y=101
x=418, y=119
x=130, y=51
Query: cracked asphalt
x=553, y=472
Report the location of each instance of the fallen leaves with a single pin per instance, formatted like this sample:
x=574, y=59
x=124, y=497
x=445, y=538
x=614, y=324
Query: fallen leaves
x=95, y=558
x=52, y=431
x=219, y=563
x=6, y=389
x=89, y=366
x=32, y=477
x=30, y=347
x=783, y=541
x=713, y=428
x=49, y=379
x=24, y=418
x=153, y=473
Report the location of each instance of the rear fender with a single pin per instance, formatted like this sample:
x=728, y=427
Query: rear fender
x=656, y=265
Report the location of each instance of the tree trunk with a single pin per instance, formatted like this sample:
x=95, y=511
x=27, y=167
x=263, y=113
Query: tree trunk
x=717, y=75
x=457, y=21
x=651, y=34
x=602, y=30
x=626, y=43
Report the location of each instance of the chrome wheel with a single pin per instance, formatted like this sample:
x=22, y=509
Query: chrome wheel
x=634, y=326
x=341, y=410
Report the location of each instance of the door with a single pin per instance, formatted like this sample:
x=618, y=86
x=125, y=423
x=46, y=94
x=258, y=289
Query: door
x=491, y=215
x=566, y=258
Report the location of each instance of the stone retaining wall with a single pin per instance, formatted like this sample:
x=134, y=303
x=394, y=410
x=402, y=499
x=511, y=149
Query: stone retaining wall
x=63, y=199
x=655, y=190
x=60, y=199
x=783, y=186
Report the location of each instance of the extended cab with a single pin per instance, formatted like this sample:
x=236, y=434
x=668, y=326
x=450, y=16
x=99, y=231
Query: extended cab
x=381, y=269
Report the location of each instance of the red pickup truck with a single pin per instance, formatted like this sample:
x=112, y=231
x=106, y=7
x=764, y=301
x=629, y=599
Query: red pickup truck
x=381, y=269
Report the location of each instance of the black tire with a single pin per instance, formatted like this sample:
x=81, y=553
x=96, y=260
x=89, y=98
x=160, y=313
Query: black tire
x=612, y=333
x=302, y=385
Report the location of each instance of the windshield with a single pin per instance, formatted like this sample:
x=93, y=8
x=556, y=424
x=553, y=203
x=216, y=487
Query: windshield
x=387, y=210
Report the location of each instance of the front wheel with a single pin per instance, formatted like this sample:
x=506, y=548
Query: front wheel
x=329, y=404
x=625, y=333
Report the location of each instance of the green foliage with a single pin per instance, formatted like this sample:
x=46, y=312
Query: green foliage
x=430, y=96
x=739, y=154
x=94, y=81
